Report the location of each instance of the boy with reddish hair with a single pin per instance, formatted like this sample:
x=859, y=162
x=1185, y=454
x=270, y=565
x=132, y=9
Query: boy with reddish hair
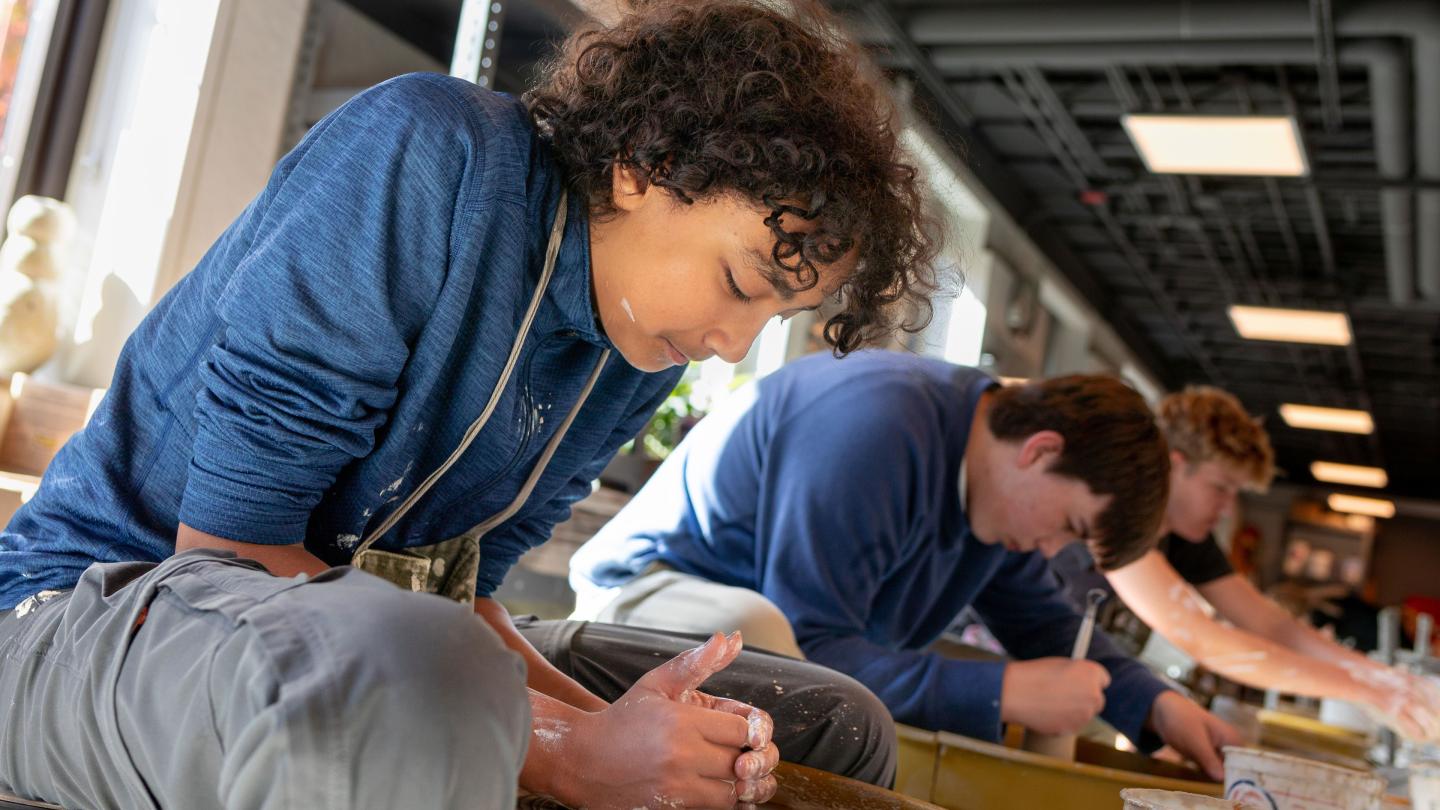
x=1216, y=451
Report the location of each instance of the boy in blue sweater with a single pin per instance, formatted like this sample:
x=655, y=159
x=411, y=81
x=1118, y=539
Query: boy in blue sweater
x=848, y=511
x=411, y=353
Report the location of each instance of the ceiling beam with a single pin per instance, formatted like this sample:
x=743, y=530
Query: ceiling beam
x=956, y=126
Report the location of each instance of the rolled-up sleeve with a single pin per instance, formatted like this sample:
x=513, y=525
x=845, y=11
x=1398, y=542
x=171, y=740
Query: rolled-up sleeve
x=316, y=322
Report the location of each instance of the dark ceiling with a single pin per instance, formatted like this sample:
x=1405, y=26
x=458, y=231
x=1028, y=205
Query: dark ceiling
x=1032, y=94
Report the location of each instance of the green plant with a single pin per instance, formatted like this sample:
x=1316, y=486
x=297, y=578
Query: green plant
x=681, y=410
x=676, y=415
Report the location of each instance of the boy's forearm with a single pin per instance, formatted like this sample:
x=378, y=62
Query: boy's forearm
x=1244, y=606
x=1157, y=594
x=554, y=751
x=540, y=674
x=1309, y=641
x=282, y=561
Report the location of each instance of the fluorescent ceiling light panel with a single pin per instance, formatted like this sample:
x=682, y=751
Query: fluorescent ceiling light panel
x=1355, y=505
x=1258, y=145
x=1291, y=325
x=1332, y=473
x=1340, y=420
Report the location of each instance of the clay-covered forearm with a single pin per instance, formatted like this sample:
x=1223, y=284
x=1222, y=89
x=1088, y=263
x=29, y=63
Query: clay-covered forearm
x=1172, y=608
x=540, y=674
x=1311, y=642
x=553, y=756
x=1241, y=604
x=1249, y=659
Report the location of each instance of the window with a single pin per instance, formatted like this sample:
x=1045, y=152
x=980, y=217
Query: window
x=27, y=28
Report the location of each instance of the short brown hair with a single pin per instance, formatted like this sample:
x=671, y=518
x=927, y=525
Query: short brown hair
x=1111, y=444
x=718, y=97
x=1208, y=424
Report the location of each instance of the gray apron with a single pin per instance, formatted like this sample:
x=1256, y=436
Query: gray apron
x=450, y=568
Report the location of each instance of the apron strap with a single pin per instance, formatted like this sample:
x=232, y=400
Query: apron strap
x=550, y=447
x=552, y=250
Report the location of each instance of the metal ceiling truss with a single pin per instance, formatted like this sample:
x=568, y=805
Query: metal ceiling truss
x=1033, y=95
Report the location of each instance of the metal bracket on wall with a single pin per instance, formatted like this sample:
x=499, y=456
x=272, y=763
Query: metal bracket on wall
x=312, y=39
x=477, y=41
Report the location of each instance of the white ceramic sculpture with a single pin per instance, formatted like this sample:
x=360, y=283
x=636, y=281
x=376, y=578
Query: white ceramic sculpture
x=30, y=266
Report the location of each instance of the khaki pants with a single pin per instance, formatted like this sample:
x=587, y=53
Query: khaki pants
x=661, y=598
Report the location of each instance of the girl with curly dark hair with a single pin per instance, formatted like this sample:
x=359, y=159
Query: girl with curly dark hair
x=399, y=364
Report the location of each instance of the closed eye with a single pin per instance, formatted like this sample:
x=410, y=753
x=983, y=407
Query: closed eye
x=735, y=289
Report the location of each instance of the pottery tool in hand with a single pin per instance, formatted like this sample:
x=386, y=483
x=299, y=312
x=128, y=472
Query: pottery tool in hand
x=1087, y=626
x=1062, y=746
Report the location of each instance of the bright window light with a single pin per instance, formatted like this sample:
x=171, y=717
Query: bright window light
x=1332, y=473
x=965, y=331
x=1340, y=420
x=1356, y=505
x=1291, y=325
x=1265, y=145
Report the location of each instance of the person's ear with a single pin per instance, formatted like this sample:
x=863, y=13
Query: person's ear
x=628, y=186
x=1178, y=461
x=1043, y=448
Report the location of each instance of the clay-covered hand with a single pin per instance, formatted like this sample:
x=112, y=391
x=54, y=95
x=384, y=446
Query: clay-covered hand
x=1404, y=701
x=1052, y=695
x=1192, y=731
x=752, y=768
x=1423, y=694
x=664, y=744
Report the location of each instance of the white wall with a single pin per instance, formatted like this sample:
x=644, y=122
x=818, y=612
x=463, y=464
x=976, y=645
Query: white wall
x=180, y=132
x=238, y=125
x=194, y=102
x=957, y=331
x=127, y=169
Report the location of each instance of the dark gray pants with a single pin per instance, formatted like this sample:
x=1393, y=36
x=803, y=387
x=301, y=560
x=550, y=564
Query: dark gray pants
x=203, y=682
x=823, y=718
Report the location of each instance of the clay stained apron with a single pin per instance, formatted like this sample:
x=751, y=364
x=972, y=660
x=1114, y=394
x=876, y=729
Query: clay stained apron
x=450, y=568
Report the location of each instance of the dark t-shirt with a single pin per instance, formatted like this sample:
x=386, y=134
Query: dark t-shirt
x=1197, y=563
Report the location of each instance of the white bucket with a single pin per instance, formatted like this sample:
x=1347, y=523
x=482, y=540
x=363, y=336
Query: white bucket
x=1346, y=715
x=1147, y=799
x=1279, y=782
x=1425, y=786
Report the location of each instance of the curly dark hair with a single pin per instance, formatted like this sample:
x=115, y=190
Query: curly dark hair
x=1111, y=443
x=731, y=97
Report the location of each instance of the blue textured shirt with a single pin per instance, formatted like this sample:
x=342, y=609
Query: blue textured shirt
x=831, y=487
x=331, y=348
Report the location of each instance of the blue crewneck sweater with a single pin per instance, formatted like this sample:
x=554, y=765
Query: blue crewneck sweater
x=831, y=487
x=332, y=347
